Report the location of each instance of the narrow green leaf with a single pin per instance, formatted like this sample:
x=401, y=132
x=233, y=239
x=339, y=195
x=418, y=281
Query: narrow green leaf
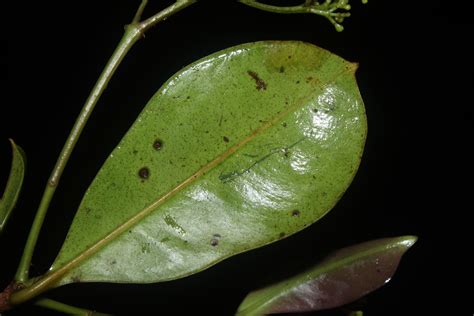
x=235, y=151
x=343, y=277
x=14, y=183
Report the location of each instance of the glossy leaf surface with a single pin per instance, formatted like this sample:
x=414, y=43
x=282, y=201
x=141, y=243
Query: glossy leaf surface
x=238, y=150
x=14, y=183
x=343, y=277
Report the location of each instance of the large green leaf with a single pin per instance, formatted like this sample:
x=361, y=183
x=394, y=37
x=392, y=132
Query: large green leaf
x=343, y=277
x=238, y=150
x=14, y=184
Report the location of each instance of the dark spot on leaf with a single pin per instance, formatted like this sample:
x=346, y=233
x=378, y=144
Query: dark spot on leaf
x=144, y=173
x=215, y=240
x=315, y=110
x=157, y=144
x=282, y=69
x=135, y=152
x=309, y=79
x=289, y=57
x=129, y=231
x=76, y=279
x=297, y=82
x=284, y=124
x=165, y=239
x=260, y=84
x=295, y=213
x=281, y=235
x=113, y=262
x=188, y=97
x=226, y=139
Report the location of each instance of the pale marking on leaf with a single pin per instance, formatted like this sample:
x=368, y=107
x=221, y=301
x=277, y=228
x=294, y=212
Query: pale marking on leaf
x=234, y=174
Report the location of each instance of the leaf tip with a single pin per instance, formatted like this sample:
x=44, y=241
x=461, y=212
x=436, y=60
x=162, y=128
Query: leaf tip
x=12, y=142
x=408, y=241
x=17, y=150
x=352, y=67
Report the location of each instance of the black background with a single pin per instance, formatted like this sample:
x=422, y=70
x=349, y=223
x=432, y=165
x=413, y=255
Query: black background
x=415, y=76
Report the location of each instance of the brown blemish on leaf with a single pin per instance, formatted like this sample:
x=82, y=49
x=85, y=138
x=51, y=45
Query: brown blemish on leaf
x=215, y=240
x=260, y=84
x=309, y=79
x=144, y=173
x=157, y=144
x=226, y=139
x=295, y=213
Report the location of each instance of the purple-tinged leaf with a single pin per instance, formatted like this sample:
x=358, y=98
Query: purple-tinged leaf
x=341, y=278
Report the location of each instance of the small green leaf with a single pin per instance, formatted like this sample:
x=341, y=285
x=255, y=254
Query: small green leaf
x=14, y=183
x=235, y=151
x=343, y=277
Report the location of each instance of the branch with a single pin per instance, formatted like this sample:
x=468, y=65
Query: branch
x=138, y=15
x=330, y=9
